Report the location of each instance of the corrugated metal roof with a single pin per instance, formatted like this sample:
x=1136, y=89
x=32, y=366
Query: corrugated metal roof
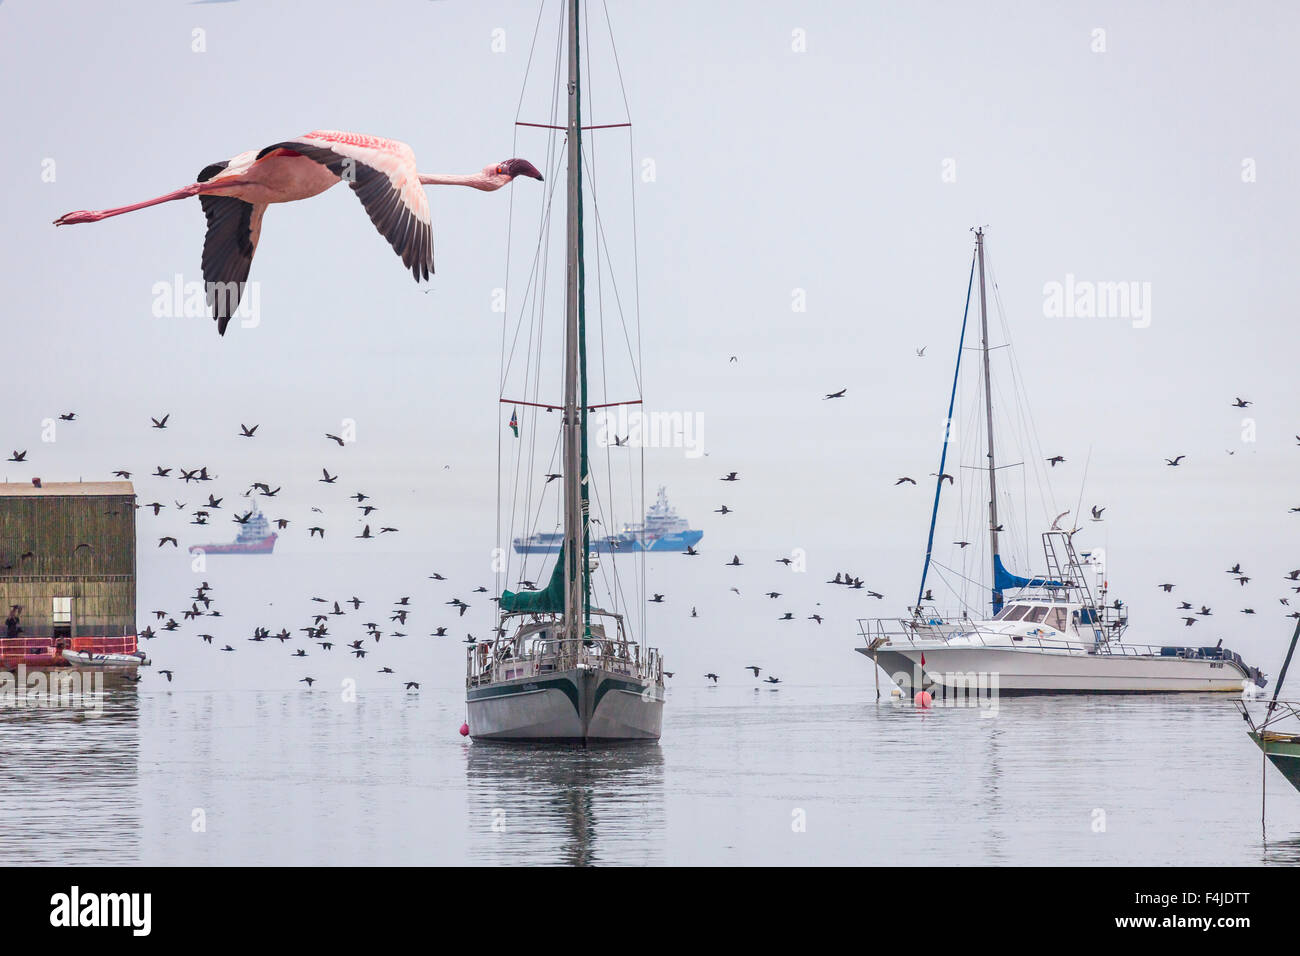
x=60, y=489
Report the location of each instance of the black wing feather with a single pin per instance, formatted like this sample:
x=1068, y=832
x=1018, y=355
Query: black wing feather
x=227, y=254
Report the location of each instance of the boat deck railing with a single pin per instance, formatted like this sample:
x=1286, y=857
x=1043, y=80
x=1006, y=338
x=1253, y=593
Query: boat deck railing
x=1274, y=713
x=929, y=627
x=529, y=657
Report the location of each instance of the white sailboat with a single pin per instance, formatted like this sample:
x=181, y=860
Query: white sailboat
x=1048, y=633
x=561, y=669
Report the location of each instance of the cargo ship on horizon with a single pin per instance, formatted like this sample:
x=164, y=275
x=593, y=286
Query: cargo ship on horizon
x=663, y=530
x=255, y=537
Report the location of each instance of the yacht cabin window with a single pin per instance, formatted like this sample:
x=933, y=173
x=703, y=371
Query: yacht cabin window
x=1013, y=613
x=1036, y=615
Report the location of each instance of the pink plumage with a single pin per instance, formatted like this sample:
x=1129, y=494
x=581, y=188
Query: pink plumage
x=382, y=172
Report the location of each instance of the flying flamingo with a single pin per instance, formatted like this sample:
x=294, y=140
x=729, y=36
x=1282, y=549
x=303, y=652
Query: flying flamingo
x=382, y=172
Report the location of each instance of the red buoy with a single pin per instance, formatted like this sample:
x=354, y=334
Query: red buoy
x=923, y=698
x=464, y=730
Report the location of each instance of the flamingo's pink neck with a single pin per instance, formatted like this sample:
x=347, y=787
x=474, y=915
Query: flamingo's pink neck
x=474, y=180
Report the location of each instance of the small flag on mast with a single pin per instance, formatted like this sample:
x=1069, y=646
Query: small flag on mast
x=514, y=421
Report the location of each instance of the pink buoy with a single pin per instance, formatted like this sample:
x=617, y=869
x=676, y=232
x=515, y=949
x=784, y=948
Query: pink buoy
x=923, y=698
x=464, y=730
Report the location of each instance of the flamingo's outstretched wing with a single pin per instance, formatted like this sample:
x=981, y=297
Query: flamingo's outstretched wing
x=382, y=173
x=233, y=230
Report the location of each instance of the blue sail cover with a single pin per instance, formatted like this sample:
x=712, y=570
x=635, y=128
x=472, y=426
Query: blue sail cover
x=1004, y=580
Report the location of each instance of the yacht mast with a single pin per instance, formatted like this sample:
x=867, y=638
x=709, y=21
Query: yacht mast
x=988, y=412
x=575, y=386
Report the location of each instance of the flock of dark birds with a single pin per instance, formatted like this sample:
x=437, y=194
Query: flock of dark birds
x=319, y=632
x=1097, y=511
x=1291, y=577
x=854, y=582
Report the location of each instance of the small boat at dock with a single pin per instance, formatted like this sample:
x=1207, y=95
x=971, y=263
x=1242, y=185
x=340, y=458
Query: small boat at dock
x=88, y=660
x=40, y=653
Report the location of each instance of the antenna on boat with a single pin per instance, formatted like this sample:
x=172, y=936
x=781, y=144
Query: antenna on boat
x=988, y=411
x=1083, y=484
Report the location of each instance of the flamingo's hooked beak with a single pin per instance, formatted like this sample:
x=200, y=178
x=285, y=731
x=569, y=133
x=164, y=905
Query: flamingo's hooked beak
x=519, y=167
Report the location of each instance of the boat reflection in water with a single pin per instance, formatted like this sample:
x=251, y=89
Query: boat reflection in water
x=565, y=805
x=1284, y=852
x=69, y=772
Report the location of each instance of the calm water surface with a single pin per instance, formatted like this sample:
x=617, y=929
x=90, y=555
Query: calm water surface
x=787, y=776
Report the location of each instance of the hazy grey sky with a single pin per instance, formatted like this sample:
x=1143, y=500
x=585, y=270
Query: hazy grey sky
x=826, y=169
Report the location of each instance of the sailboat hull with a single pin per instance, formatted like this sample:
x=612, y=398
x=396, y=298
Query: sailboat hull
x=1030, y=671
x=573, y=706
x=1283, y=751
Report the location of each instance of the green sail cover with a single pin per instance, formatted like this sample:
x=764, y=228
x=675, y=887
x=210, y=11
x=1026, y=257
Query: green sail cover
x=549, y=600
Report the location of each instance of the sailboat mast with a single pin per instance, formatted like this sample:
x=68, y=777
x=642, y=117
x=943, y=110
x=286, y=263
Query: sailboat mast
x=988, y=412
x=575, y=518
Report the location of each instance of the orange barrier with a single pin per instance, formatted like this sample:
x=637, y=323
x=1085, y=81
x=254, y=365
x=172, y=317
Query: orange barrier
x=105, y=645
x=39, y=651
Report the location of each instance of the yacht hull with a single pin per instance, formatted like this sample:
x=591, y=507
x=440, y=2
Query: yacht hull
x=573, y=706
x=1031, y=671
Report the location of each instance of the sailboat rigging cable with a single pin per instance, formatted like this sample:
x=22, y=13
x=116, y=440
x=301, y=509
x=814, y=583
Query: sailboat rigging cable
x=563, y=665
x=516, y=342
x=1027, y=425
x=947, y=433
x=536, y=284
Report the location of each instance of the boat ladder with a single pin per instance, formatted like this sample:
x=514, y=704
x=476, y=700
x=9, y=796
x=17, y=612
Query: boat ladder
x=1076, y=578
